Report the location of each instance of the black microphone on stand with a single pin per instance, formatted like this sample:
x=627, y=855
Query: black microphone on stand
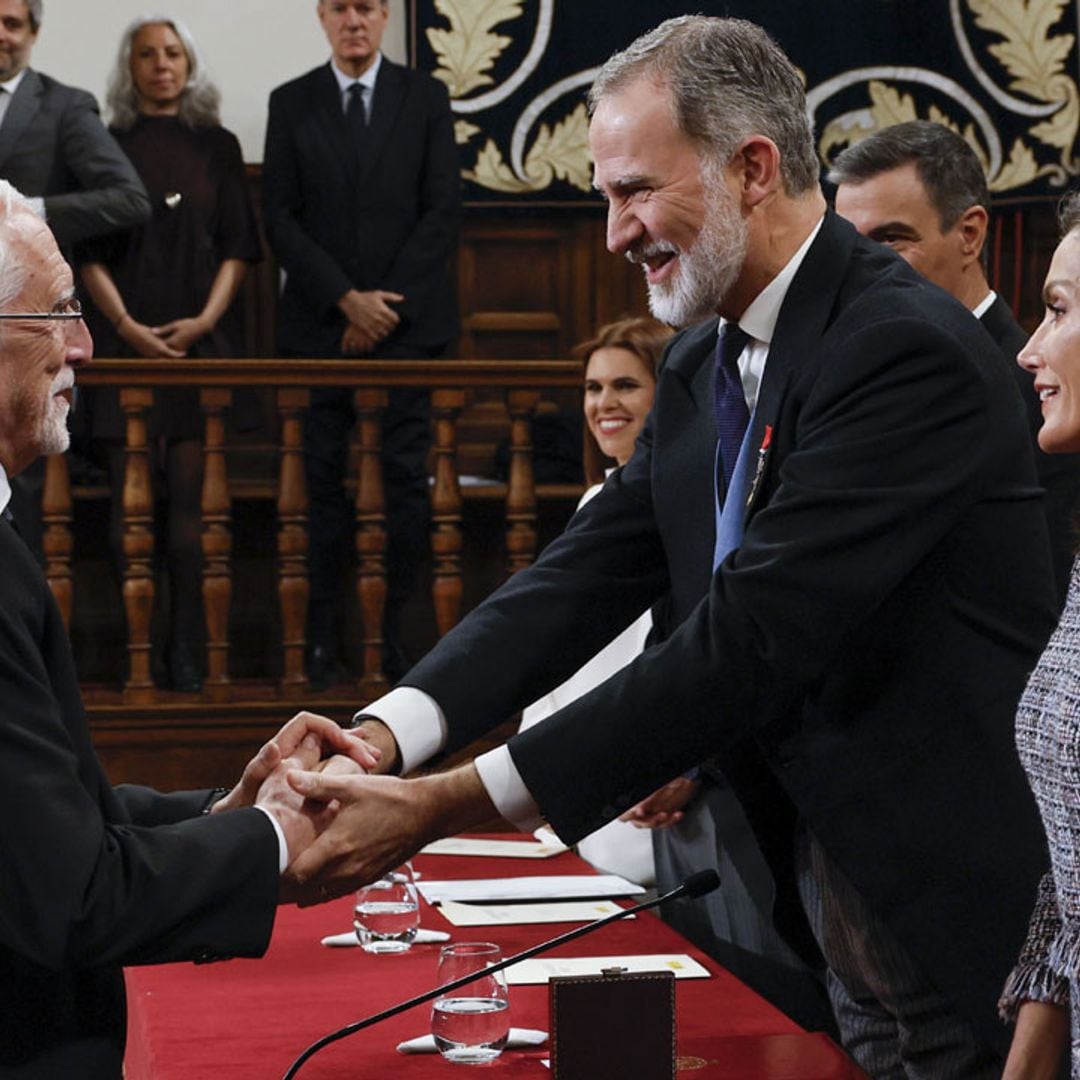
x=704, y=881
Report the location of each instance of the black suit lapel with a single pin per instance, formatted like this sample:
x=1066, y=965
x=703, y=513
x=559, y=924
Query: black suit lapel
x=684, y=485
x=21, y=110
x=386, y=103
x=806, y=311
x=328, y=119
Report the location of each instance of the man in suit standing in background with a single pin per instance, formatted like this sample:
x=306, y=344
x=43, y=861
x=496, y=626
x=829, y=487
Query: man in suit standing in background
x=838, y=493
x=921, y=189
x=56, y=151
x=362, y=205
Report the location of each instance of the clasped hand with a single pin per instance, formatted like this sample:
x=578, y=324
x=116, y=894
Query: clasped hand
x=307, y=742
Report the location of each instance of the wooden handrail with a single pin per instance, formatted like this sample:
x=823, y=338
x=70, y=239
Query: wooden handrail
x=519, y=382
x=360, y=374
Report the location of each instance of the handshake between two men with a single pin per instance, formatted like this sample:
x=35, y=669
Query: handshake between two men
x=343, y=824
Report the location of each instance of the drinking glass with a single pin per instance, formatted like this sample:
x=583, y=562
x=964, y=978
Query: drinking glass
x=471, y=1023
x=386, y=914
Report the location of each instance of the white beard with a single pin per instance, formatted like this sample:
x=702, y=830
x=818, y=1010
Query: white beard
x=55, y=437
x=706, y=270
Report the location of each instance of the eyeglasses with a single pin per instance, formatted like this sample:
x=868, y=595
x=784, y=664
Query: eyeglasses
x=66, y=309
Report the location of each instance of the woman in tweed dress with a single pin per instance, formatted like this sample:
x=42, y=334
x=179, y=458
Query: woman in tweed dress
x=1044, y=988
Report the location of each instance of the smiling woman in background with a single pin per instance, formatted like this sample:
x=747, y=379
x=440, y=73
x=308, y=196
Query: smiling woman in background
x=1046, y=980
x=620, y=382
x=165, y=290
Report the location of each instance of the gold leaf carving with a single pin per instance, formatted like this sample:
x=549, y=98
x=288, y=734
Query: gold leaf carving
x=1020, y=169
x=492, y=172
x=888, y=107
x=563, y=152
x=1060, y=129
x=1029, y=53
x=560, y=152
x=469, y=49
x=464, y=131
x=1035, y=59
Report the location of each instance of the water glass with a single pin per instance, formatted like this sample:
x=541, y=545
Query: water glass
x=386, y=914
x=471, y=1024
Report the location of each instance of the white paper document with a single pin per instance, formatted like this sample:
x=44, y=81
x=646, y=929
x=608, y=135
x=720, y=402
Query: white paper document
x=507, y=849
x=556, y=887
x=581, y=911
x=537, y=971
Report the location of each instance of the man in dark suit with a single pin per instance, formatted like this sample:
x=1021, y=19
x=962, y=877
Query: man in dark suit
x=95, y=876
x=920, y=188
x=362, y=203
x=55, y=149
x=854, y=661
x=53, y=145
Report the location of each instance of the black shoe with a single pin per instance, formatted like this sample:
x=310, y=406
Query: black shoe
x=322, y=669
x=184, y=673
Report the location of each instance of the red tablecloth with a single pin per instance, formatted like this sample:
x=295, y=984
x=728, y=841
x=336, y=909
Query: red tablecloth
x=249, y=1019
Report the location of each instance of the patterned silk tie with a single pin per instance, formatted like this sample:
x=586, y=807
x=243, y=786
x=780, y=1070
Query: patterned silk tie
x=732, y=415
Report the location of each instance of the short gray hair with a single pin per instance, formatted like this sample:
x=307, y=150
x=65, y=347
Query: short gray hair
x=947, y=166
x=200, y=101
x=728, y=80
x=12, y=267
x=34, y=8
x=1069, y=213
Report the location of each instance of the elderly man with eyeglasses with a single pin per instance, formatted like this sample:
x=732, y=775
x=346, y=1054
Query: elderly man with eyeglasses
x=96, y=877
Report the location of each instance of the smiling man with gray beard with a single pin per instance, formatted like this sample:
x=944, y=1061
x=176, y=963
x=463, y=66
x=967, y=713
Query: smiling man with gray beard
x=853, y=610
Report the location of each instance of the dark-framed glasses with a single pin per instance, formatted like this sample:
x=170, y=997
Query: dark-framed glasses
x=66, y=309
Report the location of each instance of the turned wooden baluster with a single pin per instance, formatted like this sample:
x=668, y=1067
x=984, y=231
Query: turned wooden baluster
x=521, y=492
x=216, y=543
x=138, y=542
x=292, y=539
x=56, y=517
x=446, y=406
x=370, y=530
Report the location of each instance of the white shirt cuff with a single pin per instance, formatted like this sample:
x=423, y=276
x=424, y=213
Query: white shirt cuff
x=37, y=204
x=283, y=847
x=415, y=720
x=507, y=790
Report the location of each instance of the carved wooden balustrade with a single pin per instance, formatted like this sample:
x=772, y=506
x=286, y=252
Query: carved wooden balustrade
x=520, y=382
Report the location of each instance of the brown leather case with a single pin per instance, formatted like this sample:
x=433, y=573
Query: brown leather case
x=613, y=1026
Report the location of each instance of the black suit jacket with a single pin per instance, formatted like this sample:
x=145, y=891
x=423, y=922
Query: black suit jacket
x=95, y=877
x=1059, y=474
x=861, y=652
x=387, y=220
x=53, y=144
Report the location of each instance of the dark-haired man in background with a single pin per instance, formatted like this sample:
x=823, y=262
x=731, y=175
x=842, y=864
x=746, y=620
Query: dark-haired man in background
x=921, y=189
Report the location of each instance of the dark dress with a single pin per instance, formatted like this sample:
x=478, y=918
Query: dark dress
x=164, y=270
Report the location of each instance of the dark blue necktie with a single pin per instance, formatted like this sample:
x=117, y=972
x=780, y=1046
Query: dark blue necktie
x=732, y=415
x=357, y=117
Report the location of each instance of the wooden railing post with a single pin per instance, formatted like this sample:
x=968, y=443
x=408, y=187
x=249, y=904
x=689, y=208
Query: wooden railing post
x=138, y=542
x=371, y=530
x=216, y=543
x=521, y=491
x=446, y=539
x=292, y=509
x=57, y=541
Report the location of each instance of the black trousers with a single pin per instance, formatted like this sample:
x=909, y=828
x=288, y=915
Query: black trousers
x=406, y=442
